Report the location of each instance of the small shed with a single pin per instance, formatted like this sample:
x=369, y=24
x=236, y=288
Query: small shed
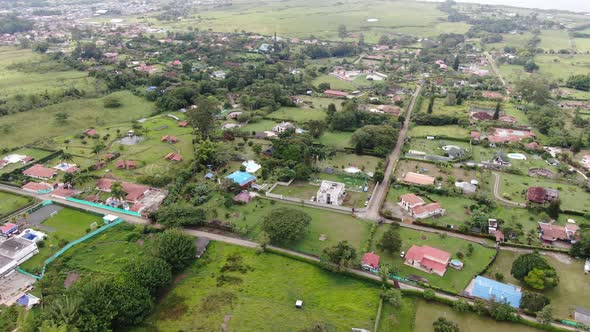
x=299, y=304
x=243, y=197
x=109, y=218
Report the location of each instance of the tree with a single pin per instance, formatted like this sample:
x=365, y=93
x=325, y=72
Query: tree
x=342, y=33
x=545, y=316
x=176, y=248
x=553, y=208
x=497, y=111
x=461, y=305
x=316, y=127
x=206, y=152
x=392, y=296
x=456, y=63
x=429, y=294
x=526, y=263
x=480, y=307
x=430, y=105
x=502, y=311
x=49, y=326
x=324, y=86
x=444, y=325
x=64, y=309
x=533, y=89
x=530, y=66
x=541, y=279
x=331, y=110
x=582, y=247
x=112, y=102
x=285, y=225
x=202, y=118
x=533, y=302
x=391, y=240
x=62, y=117
x=117, y=190
x=341, y=255
x=150, y=272
x=379, y=138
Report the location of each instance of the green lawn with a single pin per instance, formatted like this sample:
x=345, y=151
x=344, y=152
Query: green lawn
x=562, y=66
x=514, y=40
x=10, y=203
x=555, y=40
x=321, y=102
x=297, y=114
x=67, y=225
x=582, y=44
x=440, y=108
x=335, y=226
x=573, y=289
x=447, y=131
x=297, y=189
x=572, y=197
x=336, y=139
x=398, y=319
x=83, y=113
x=343, y=160
x=453, y=280
x=263, y=298
x=259, y=125
x=335, y=83
x=428, y=312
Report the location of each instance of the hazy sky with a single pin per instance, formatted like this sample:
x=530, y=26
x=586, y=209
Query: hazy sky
x=573, y=5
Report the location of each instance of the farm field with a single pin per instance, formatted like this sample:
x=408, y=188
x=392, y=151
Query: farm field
x=555, y=40
x=453, y=280
x=438, y=131
x=398, y=319
x=11, y=203
x=247, y=303
x=259, y=125
x=573, y=289
x=563, y=66
x=65, y=226
x=440, y=108
x=297, y=114
x=41, y=74
x=514, y=40
x=321, y=102
x=82, y=114
x=335, y=226
x=572, y=197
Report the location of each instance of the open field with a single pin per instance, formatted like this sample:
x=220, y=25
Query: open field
x=336, y=139
x=563, y=66
x=582, y=44
x=257, y=300
x=343, y=160
x=335, y=83
x=555, y=40
x=453, y=280
x=65, y=226
x=513, y=40
x=321, y=102
x=398, y=319
x=83, y=113
x=10, y=203
x=46, y=75
x=573, y=289
x=433, y=170
x=440, y=108
x=572, y=197
x=428, y=312
x=259, y=125
x=297, y=114
x=447, y=131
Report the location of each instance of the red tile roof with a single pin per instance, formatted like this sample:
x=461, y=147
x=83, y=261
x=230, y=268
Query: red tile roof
x=40, y=171
x=36, y=186
x=411, y=199
x=182, y=124
x=475, y=135
x=428, y=208
x=61, y=192
x=335, y=93
x=419, y=253
x=419, y=179
x=90, y=132
x=371, y=260
x=134, y=191
x=172, y=156
x=169, y=139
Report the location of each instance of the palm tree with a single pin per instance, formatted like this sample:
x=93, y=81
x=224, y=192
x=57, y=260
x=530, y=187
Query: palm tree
x=66, y=156
x=64, y=309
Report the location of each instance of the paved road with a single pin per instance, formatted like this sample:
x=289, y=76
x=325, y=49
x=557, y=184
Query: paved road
x=378, y=197
x=499, y=197
x=492, y=63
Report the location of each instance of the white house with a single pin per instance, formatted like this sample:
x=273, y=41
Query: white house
x=331, y=193
x=410, y=201
x=283, y=126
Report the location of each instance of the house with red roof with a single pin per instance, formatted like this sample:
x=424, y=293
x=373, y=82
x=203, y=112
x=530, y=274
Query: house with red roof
x=428, y=259
x=8, y=229
x=63, y=193
x=40, y=172
x=183, y=124
x=550, y=233
x=36, y=187
x=542, y=195
x=492, y=95
x=169, y=139
x=173, y=156
x=418, y=179
x=410, y=201
x=90, y=132
x=428, y=210
x=335, y=94
x=370, y=262
x=134, y=192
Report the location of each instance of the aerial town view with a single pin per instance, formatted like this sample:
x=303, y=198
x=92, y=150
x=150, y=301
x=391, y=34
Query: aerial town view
x=294, y=165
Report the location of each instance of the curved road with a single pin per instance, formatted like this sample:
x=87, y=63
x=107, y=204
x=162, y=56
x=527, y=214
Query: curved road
x=372, y=211
x=499, y=197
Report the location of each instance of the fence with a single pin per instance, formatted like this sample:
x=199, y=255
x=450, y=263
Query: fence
x=102, y=206
x=337, y=208
x=68, y=246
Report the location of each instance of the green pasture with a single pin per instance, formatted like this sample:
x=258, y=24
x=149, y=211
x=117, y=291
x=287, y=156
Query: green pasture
x=297, y=114
x=448, y=131
x=335, y=83
x=343, y=159
x=336, y=139
x=555, y=40
x=31, y=152
x=563, y=66
x=11, y=203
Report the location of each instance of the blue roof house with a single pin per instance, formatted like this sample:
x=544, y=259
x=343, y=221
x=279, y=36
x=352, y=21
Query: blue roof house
x=244, y=179
x=489, y=289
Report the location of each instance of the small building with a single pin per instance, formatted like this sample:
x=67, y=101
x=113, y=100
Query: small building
x=109, y=218
x=243, y=179
x=90, y=132
x=489, y=289
x=542, y=195
x=37, y=187
x=427, y=211
x=201, y=243
x=428, y=259
x=335, y=94
x=370, y=262
x=28, y=301
x=169, y=139
x=8, y=229
x=243, y=198
x=466, y=187
x=493, y=226
x=183, y=124
x=17, y=249
x=251, y=166
x=331, y=193
x=410, y=201
x=418, y=179
x=173, y=156
x=283, y=127
x=41, y=172
x=550, y=233
x=299, y=304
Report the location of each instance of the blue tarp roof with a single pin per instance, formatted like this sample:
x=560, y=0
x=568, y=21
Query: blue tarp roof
x=490, y=289
x=241, y=178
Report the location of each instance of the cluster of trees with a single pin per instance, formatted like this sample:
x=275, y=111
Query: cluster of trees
x=102, y=303
x=286, y=225
x=579, y=82
x=379, y=138
x=13, y=24
x=534, y=271
x=340, y=50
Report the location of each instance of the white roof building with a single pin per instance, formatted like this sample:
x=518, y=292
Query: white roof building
x=331, y=193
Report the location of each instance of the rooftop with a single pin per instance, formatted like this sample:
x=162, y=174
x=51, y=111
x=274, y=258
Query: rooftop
x=490, y=289
x=241, y=178
x=419, y=179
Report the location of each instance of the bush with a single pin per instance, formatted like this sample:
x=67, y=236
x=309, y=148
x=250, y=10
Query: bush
x=112, y=102
x=429, y=294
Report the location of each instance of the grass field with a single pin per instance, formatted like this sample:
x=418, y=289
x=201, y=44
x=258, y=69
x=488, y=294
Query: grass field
x=260, y=125
x=335, y=226
x=573, y=289
x=321, y=102
x=65, y=226
x=453, y=280
x=297, y=114
x=555, y=40
x=51, y=77
x=83, y=113
x=514, y=40
x=448, y=131
x=441, y=109
x=582, y=44
x=571, y=197
x=398, y=319
x=336, y=139
x=343, y=160
x=563, y=66
x=10, y=203
x=335, y=83
x=258, y=300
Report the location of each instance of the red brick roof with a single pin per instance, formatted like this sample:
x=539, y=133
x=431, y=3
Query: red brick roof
x=335, y=93
x=90, y=132
x=420, y=179
x=40, y=171
x=61, y=192
x=430, y=254
x=428, y=208
x=371, y=260
x=411, y=199
x=182, y=124
x=134, y=191
x=172, y=156
x=36, y=186
x=169, y=139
